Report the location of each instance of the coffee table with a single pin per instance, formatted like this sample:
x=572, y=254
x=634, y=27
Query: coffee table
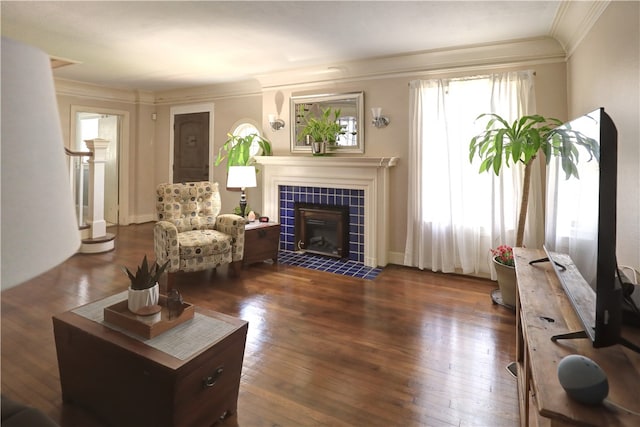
x=187, y=376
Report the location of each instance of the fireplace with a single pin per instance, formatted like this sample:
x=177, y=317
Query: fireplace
x=350, y=201
x=361, y=183
x=322, y=229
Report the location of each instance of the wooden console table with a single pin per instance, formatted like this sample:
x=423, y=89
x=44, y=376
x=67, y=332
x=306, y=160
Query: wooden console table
x=543, y=310
x=187, y=376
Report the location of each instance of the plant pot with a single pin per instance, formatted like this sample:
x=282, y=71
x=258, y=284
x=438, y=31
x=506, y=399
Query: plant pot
x=139, y=299
x=318, y=148
x=506, y=282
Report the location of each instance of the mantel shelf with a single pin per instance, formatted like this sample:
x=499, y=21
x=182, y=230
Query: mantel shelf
x=328, y=161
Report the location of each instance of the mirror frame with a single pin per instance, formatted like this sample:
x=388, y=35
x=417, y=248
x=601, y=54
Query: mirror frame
x=327, y=99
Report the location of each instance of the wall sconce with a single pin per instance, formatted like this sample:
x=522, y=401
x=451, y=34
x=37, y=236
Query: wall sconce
x=379, y=120
x=276, y=124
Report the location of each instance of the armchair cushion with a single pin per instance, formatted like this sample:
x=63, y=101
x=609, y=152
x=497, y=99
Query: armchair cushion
x=199, y=243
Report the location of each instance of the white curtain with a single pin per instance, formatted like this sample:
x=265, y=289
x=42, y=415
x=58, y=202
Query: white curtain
x=455, y=214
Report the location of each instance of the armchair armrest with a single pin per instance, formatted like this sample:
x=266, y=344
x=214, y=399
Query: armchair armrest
x=165, y=245
x=233, y=225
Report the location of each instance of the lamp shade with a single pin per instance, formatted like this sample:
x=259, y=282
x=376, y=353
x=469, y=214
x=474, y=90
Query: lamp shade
x=241, y=177
x=39, y=227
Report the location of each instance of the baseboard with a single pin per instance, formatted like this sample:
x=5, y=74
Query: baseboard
x=396, y=258
x=141, y=219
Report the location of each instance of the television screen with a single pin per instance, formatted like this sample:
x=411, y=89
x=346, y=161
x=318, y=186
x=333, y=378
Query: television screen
x=572, y=203
x=580, y=228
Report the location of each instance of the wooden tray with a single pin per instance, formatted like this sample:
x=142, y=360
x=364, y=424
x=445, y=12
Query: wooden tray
x=147, y=326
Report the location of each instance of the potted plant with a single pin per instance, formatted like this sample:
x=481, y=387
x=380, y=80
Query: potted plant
x=323, y=130
x=238, y=149
x=505, y=270
x=144, y=290
x=502, y=143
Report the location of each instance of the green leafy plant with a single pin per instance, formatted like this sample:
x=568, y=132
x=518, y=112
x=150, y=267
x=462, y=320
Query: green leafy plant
x=238, y=149
x=502, y=143
x=146, y=276
x=324, y=128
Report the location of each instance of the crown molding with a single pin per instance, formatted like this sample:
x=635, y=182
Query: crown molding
x=198, y=94
x=574, y=20
x=543, y=49
x=102, y=93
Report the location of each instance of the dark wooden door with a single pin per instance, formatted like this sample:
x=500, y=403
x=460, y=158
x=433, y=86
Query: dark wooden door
x=191, y=147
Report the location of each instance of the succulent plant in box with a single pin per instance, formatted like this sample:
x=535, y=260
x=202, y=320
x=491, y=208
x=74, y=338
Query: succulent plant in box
x=144, y=290
x=145, y=277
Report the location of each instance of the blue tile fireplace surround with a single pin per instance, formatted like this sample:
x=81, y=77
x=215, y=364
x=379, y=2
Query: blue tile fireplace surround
x=354, y=199
x=351, y=198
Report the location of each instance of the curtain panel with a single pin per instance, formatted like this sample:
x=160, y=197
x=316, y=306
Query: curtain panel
x=455, y=215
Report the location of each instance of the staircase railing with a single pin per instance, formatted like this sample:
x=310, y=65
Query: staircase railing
x=79, y=182
x=86, y=177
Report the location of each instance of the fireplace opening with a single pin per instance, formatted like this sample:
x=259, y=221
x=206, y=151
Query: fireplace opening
x=322, y=229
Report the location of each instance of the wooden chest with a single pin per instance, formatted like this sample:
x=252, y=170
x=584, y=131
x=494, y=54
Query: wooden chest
x=126, y=382
x=261, y=241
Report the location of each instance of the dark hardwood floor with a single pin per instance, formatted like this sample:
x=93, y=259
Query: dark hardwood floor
x=410, y=348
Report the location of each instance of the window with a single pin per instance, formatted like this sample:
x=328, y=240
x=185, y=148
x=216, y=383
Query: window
x=246, y=128
x=350, y=132
x=460, y=214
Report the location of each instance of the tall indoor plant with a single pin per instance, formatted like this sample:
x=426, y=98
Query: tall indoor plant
x=502, y=143
x=521, y=142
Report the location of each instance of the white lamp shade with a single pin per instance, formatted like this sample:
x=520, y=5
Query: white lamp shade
x=241, y=177
x=39, y=226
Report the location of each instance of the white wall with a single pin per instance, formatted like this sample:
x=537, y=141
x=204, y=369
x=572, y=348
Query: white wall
x=604, y=71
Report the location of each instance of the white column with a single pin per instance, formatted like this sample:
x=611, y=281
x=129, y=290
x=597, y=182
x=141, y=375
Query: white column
x=98, y=147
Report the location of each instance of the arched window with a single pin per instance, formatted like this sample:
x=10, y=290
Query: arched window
x=244, y=128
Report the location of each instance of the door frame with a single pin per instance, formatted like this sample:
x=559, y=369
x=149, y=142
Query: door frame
x=123, y=153
x=188, y=109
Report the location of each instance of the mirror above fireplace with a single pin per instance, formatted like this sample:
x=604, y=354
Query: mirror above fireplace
x=351, y=106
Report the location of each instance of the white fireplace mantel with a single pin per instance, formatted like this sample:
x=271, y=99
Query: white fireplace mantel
x=370, y=174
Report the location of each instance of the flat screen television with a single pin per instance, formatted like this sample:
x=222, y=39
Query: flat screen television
x=580, y=230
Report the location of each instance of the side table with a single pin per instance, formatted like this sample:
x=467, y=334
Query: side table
x=261, y=241
x=187, y=376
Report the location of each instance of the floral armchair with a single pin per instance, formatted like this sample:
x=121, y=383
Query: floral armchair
x=191, y=233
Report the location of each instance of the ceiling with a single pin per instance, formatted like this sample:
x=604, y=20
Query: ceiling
x=149, y=45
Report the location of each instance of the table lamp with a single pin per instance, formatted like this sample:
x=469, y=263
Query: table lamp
x=39, y=225
x=242, y=177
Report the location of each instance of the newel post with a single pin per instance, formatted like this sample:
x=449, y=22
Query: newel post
x=98, y=147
